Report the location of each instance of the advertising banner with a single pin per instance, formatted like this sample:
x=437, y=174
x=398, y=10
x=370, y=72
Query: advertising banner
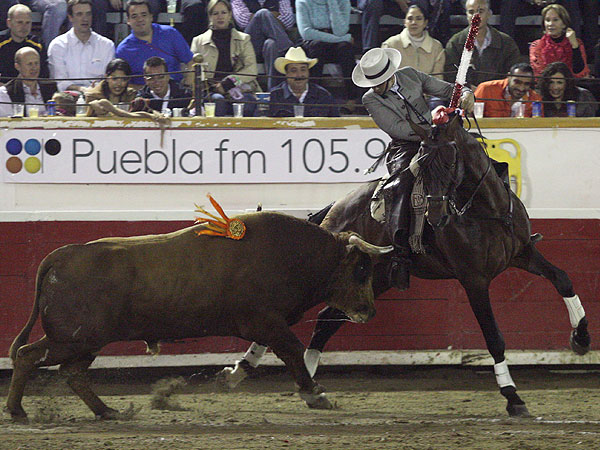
x=190, y=156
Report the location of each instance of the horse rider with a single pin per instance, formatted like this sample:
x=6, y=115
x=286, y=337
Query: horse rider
x=395, y=95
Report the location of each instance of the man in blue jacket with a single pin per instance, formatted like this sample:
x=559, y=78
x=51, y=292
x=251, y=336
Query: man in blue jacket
x=296, y=89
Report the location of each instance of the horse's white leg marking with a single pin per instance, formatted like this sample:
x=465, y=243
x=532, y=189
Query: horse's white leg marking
x=254, y=353
x=311, y=360
x=576, y=312
x=503, y=377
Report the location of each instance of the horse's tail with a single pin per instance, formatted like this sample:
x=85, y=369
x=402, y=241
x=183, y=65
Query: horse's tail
x=319, y=216
x=23, y=336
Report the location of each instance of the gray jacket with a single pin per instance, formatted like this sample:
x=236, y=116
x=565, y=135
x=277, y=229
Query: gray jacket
x=389, y=111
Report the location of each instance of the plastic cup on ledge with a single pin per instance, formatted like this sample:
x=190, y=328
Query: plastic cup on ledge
x=238, y=110
x=209, y=109
x=478, y=109
x=33, y=111
x=298, y=110
x=18, y=110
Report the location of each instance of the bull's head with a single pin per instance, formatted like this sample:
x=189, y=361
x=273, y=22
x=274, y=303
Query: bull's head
x=350, y=288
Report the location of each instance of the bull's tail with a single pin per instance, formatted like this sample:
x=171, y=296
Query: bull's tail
x=23, y=336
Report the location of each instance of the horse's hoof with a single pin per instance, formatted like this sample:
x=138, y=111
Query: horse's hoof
x=228, y=378
x=316, y=398
x=579, y=348
x=517, y=410
x=320, y=402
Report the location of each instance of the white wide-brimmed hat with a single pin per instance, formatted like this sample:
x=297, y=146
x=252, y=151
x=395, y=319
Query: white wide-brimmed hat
x=376, y=66
x=295, y=55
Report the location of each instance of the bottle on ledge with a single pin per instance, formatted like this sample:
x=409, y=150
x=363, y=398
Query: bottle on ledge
x=81, y=109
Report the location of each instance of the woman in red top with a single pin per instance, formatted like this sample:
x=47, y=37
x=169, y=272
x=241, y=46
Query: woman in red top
x=559, y=43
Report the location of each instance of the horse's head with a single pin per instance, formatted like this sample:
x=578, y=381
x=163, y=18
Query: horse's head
x=442, y=169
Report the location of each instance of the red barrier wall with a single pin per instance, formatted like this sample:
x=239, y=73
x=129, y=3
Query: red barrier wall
x=431, y=315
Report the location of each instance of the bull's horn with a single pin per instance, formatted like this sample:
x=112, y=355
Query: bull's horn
x=369, y=248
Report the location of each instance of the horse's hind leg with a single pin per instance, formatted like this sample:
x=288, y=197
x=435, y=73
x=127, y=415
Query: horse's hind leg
x=480, y=304
x=534, y=262
x=76, y=374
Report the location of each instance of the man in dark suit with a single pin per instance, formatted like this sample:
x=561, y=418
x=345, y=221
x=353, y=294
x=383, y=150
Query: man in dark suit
x=397, y=94
x=164, y=93
x=296, y=89
x=16, y=36
x=26, y=89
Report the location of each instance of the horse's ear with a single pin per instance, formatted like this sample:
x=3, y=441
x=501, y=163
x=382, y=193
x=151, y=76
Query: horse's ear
x=421, y=132
x=454, y=124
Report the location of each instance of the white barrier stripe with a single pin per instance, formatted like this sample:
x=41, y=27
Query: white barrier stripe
x=359, y=358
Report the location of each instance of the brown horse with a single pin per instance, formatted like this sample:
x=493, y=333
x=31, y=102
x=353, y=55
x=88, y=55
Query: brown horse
x=478, y=229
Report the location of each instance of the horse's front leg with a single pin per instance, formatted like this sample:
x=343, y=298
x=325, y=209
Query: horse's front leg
x=479, y=298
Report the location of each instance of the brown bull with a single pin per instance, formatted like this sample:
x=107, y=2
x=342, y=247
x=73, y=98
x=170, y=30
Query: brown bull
x=180, y=285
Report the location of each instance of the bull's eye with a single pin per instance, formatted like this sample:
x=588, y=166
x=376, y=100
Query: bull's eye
x=362, y=269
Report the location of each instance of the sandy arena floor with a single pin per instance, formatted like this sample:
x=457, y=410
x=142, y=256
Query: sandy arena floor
x=376, y=408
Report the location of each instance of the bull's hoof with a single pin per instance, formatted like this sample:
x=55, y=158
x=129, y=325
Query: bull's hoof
x=228, y=378
x=110, y=414
x=517, y=410
x=579, y=344
x=18, y=416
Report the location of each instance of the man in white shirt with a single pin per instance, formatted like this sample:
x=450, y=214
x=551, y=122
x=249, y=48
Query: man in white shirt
x=26, y=88
x=80, y=52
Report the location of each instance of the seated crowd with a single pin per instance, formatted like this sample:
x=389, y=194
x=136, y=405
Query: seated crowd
x=293, y=40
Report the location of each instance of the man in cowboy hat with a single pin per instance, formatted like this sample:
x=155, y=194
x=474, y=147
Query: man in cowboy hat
x=296, y=89
x=395, y=95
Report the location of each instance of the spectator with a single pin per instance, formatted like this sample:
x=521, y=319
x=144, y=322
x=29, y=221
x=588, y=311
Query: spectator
x=230, y=59
x=164, y=93
x=115, y=87
x=101, y=7
x=4, y=7
x=54, y=13
x=494, y=53
x=439, y=12
x=66, y=103
x=266, y=21
x=558, y=86
x=583, y=14
x=26, y=88
x=324, y=26
x=297, y=90
x=17, y=36
x=503, y=98
x=559, y=43
x=418, y=49
x=195, y=19
x=372, y=10
x=80, y=52
x=151, y=39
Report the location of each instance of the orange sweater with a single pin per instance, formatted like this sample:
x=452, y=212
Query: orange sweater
x=495, y=89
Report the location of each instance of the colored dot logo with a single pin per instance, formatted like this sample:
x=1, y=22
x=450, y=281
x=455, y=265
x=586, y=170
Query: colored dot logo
x=29, y=155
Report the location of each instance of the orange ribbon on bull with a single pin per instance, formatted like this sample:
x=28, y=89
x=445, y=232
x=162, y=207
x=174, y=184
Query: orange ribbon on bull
x=219, y=226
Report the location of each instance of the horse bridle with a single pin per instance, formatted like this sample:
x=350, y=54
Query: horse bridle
x=454, y=210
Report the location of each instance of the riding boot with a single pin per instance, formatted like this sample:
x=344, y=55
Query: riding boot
x=399, y=275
